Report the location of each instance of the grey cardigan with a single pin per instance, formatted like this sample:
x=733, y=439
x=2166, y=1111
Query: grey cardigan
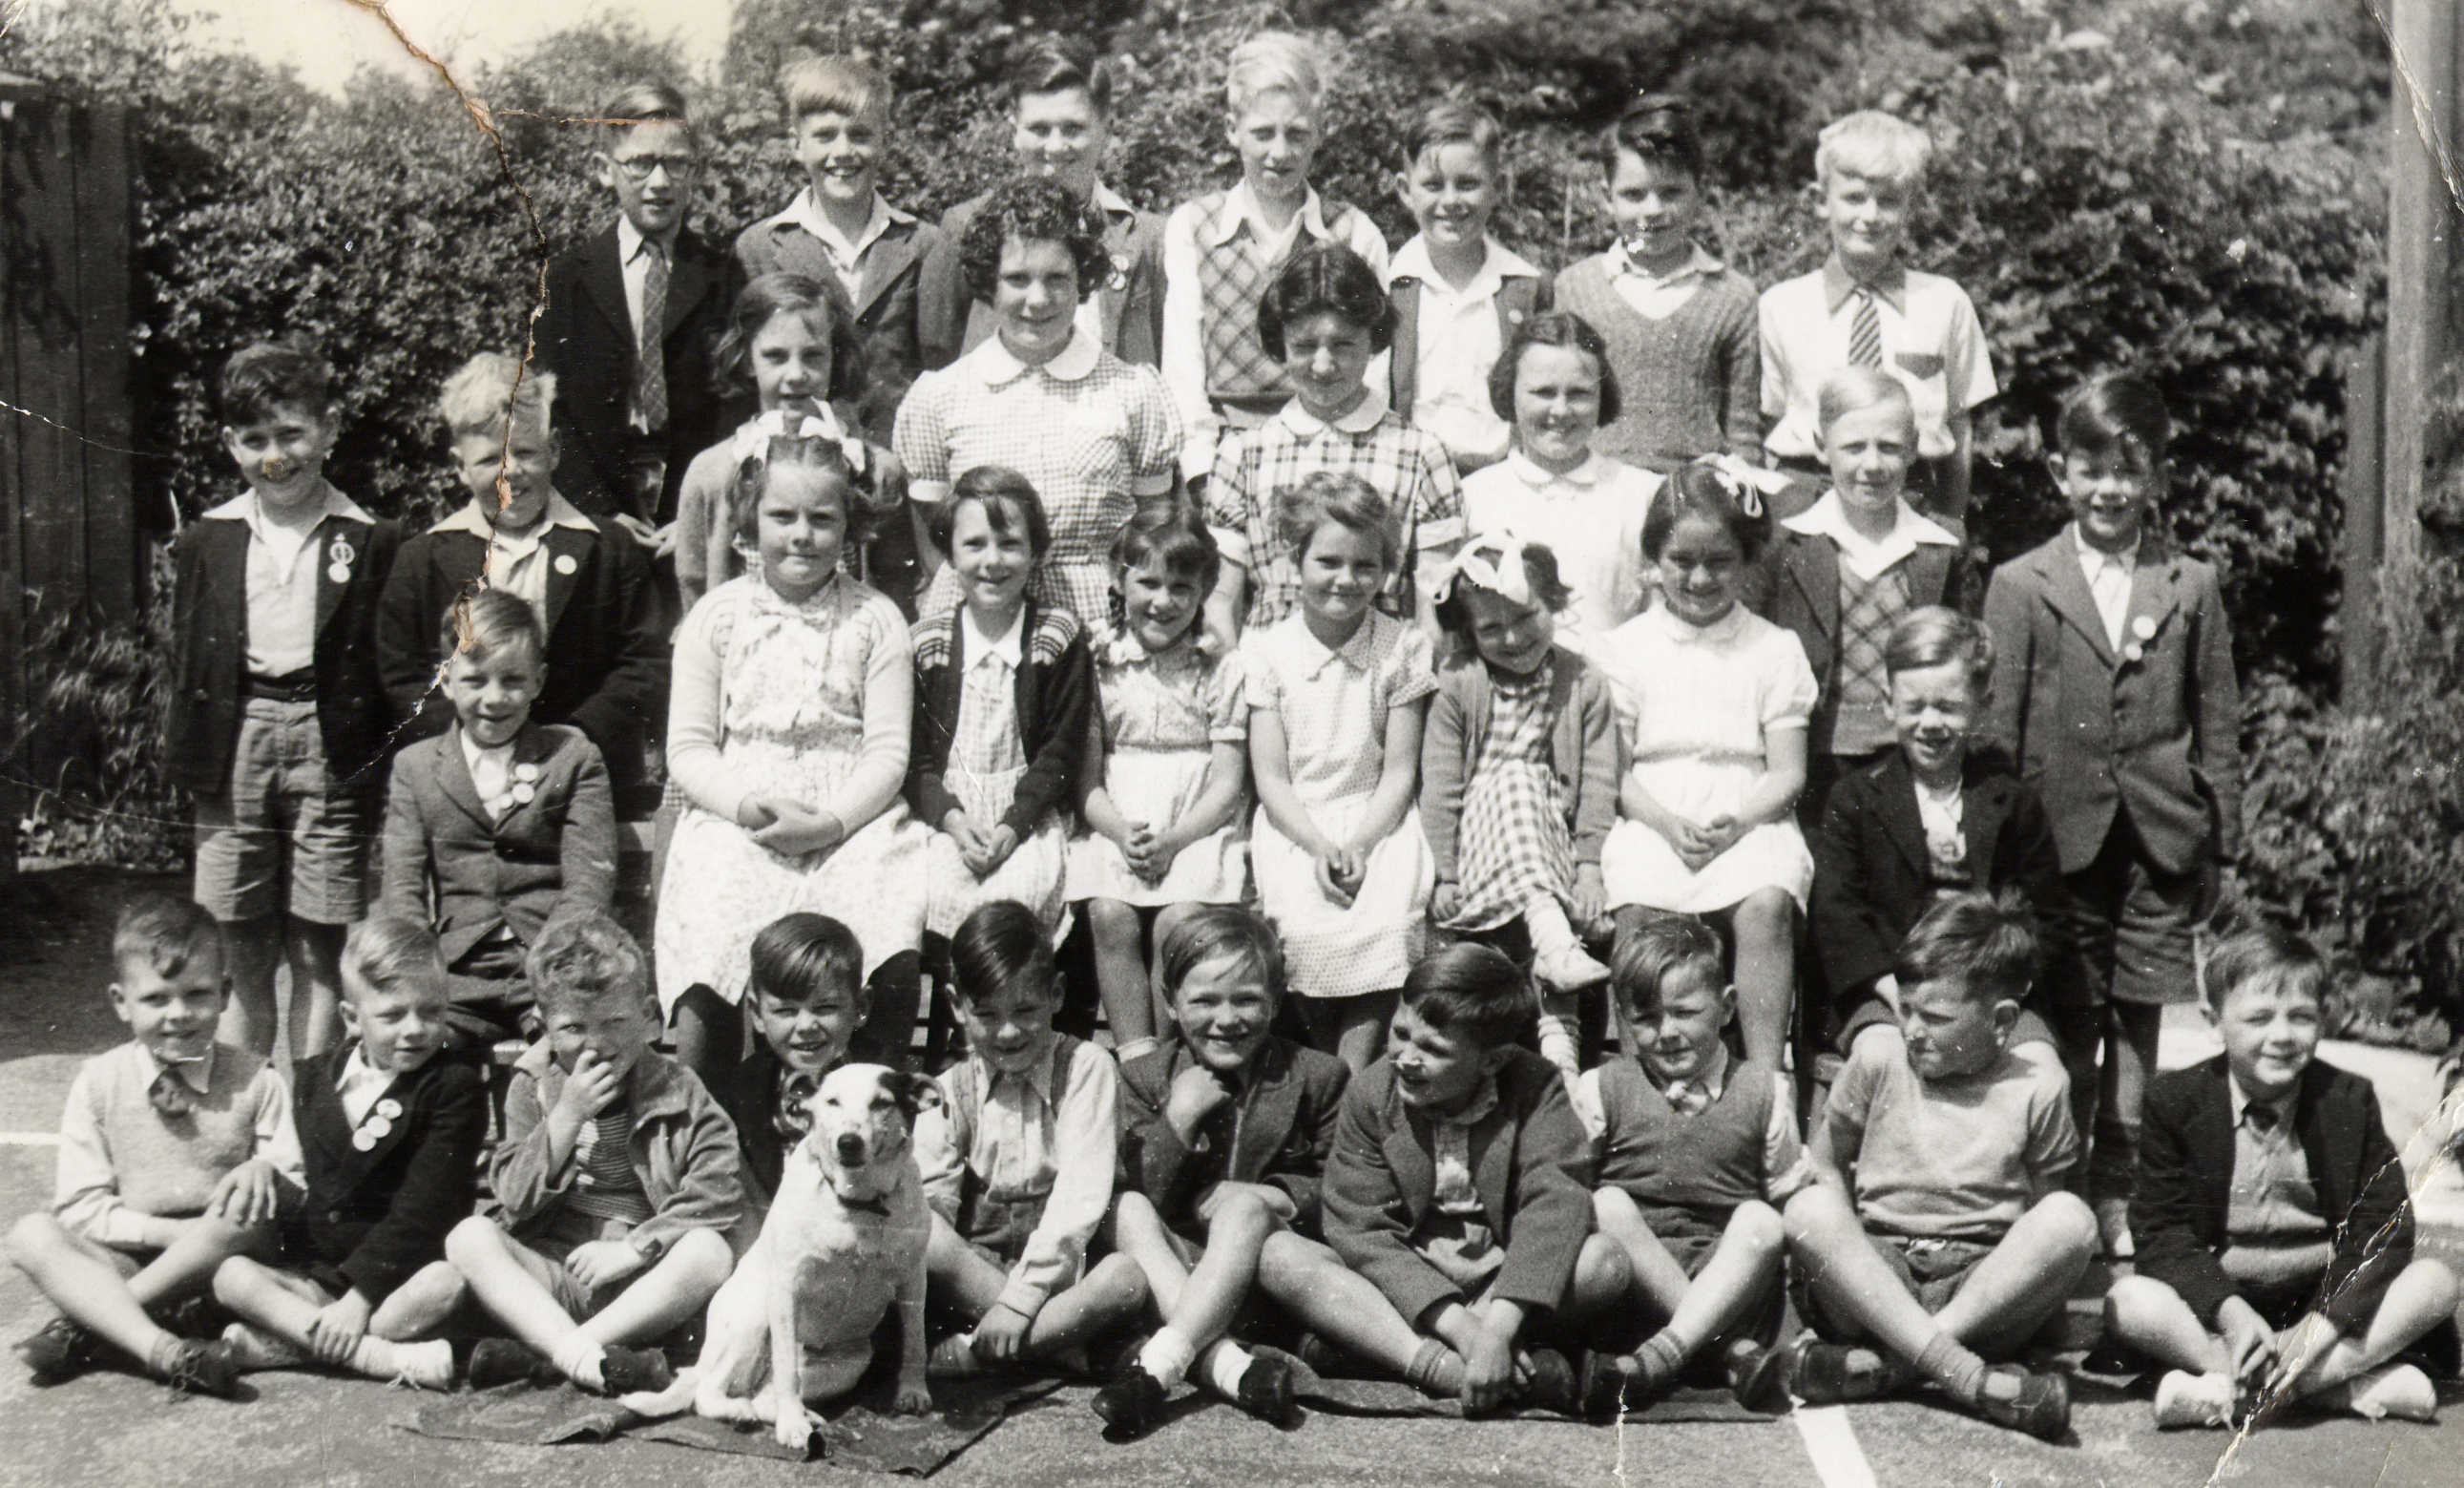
x=1586, y=747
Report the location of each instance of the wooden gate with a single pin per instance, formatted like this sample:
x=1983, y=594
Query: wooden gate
x=67, y=524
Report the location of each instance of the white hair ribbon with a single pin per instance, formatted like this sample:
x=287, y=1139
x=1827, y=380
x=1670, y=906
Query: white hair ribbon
x=753, y=436
x=1506, y=577
x=1748, y=484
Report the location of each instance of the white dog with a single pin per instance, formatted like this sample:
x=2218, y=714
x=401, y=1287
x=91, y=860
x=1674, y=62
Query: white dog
x=845, y=1240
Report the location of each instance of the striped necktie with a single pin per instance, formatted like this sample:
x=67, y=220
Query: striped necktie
x=1865, y=333
x=651, y=391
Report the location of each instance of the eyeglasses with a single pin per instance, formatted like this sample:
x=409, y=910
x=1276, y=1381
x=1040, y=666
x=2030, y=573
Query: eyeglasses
x=642, y=168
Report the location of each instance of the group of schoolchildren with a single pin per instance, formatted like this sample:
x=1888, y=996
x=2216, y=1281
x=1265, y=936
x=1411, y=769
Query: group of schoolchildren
x=1601, y=656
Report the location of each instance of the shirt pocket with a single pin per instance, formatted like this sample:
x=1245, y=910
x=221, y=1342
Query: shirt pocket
x=1921, y=363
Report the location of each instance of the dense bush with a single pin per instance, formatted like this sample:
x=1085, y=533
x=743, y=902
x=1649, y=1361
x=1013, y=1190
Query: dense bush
x=2183, y=191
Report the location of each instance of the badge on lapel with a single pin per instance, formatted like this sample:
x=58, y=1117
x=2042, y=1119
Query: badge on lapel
x=338, y=559
x=1120, y=279
x=525, y=782
x=564, y=565
x=2143, y=630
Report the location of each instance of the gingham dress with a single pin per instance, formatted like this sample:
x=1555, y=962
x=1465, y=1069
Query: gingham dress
x=1093, y=434
x=1517, y=848
x=1163, y=715
x=987, y=760
x=1334, y=705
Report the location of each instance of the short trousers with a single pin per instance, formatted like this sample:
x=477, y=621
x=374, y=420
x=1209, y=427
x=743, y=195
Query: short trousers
x=491, y=998
x=280, y=839
x=2133, y=922
x=1932, y=1270
x=997, y=1227
x=542, y=1255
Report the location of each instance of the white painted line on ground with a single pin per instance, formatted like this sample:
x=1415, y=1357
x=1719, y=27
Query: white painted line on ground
x=1832, y=1443
x=30, y=1138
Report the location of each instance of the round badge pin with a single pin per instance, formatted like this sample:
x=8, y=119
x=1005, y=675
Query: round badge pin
x=2133, y=652
x=340, y=574
x=524, y=793
x=2144, y=628
x=389, y=1109
x=526, y=771
x=378, y=1127
x=363, y=1141
x=342, y=553
x=565, y=565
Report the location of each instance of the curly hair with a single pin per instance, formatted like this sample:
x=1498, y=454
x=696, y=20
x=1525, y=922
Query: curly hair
x=583, y=958
x=824, y=305
x=751, y=481
x=1031, y=209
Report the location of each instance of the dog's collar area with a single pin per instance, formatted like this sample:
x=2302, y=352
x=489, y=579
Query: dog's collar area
x=874, y=1205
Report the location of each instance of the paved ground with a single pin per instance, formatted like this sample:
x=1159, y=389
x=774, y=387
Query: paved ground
x=111, y=1430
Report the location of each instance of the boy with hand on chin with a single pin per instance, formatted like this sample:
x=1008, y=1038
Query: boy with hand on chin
x=2275, y=1257
x=1937, y=1236
x=176, y=1152
x=280, y=728
x=392, y=1130
x=591, y=588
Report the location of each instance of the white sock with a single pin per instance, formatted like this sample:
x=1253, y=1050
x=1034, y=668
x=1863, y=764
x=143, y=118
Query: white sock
x=253, y=1348
x=428, y=1366
x=581, y=1360
x=1167, y=1356
x=1545, y=919
x=1224, y=1365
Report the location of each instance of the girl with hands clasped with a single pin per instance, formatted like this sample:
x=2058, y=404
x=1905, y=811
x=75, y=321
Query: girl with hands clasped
x=1714, y=701
x=788, y=735
x=1165, y=774
x=1004, y=689
x=1338, y=692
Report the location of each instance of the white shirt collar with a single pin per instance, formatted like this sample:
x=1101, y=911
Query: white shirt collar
x=1711, y=1079
x=631, y=238
x=1704, y=264
x=1593, y=470
x=1241, y=205
x=198, y=1073
x=472, y=751
x=1687, y=633
x=1112, y=202
x=1362, y=418
x=245, y=507
x=1413, y=262
x=473, y=519
x=1037, y=1076
x=999, y=367
x=1010, y=645
x=1861, y=555
x=805, y=211
x=2094, y=558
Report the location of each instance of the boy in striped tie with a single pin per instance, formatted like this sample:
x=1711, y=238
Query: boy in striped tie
x=1865, y=307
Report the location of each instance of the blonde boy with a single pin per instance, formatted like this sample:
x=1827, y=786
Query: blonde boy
x=1221, y=251
x=1867, y=307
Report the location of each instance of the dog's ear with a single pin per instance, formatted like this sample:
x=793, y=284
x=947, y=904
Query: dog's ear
x=914, y=1092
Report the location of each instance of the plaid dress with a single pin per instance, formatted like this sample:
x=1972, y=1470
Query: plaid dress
x=1517, y=845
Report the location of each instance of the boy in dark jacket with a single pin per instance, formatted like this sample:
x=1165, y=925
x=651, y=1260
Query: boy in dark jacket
x=278, y=724
x=391, y=1128
x=2274, y=1237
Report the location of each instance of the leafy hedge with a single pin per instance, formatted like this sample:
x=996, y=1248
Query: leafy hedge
x=2190, y=192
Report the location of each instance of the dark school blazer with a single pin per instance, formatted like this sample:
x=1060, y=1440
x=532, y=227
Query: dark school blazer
x=2153, y=731
x=210, y=651
x=559, y=848
x=586, y=337
x=748, y=1092
x=1805, y=599
x=1519, y=297
x=378, y=1214
x=1056, y=694
x=1530, y=1162
x=952, y=323
x=887, y=319
x=2186, y=1168
x=1873, y=879
x=1281, y=1121
x=606, y=654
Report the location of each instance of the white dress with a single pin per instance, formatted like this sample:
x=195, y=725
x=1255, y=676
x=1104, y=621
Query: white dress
x=1333, y=706
x=1163, y=717
x=1590, y=518
x=770, y=699
x=1695, y=704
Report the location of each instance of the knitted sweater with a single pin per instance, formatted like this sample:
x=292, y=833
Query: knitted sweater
x=123, y=1163
x=1686, y=385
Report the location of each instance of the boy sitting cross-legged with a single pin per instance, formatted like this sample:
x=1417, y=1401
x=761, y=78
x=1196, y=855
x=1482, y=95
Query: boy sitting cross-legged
x=1018, y=1162
x=2274, y=1238
x=1459, y=1185
x=175, y=1151
x=1225, y=1133
x=616, y=1182
x=1938, y=1233
x=391, y=1127
x=495, y=825
x=1696, y=1146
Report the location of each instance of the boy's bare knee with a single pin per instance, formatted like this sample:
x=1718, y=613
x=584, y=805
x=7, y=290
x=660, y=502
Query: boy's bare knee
x=2439, y=1280
x=1770, y=911
x=1119, y=1279
x=2068, y=1219
x=1240, y=1213
x=234, y=1279
x=472, y=1238
x=701, y=1257
x=1817, y=1211
x=1110, y=919
x=2131, y=1300
x=1612, y=1204
x=1758, y=1224
x=1602, y=1274
x=34, y=1237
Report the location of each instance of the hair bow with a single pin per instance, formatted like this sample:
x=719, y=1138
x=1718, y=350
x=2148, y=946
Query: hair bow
x=1749, y=485
x=1506, y=576
x=753, y=436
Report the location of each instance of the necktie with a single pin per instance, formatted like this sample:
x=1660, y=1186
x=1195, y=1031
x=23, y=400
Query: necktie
x=650, y=395
x=1865, y=333
x=1687, y=1098
x=171, y=1096
x=2262, y=1116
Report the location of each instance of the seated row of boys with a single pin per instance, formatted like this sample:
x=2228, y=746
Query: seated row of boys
x=1447, y=1217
